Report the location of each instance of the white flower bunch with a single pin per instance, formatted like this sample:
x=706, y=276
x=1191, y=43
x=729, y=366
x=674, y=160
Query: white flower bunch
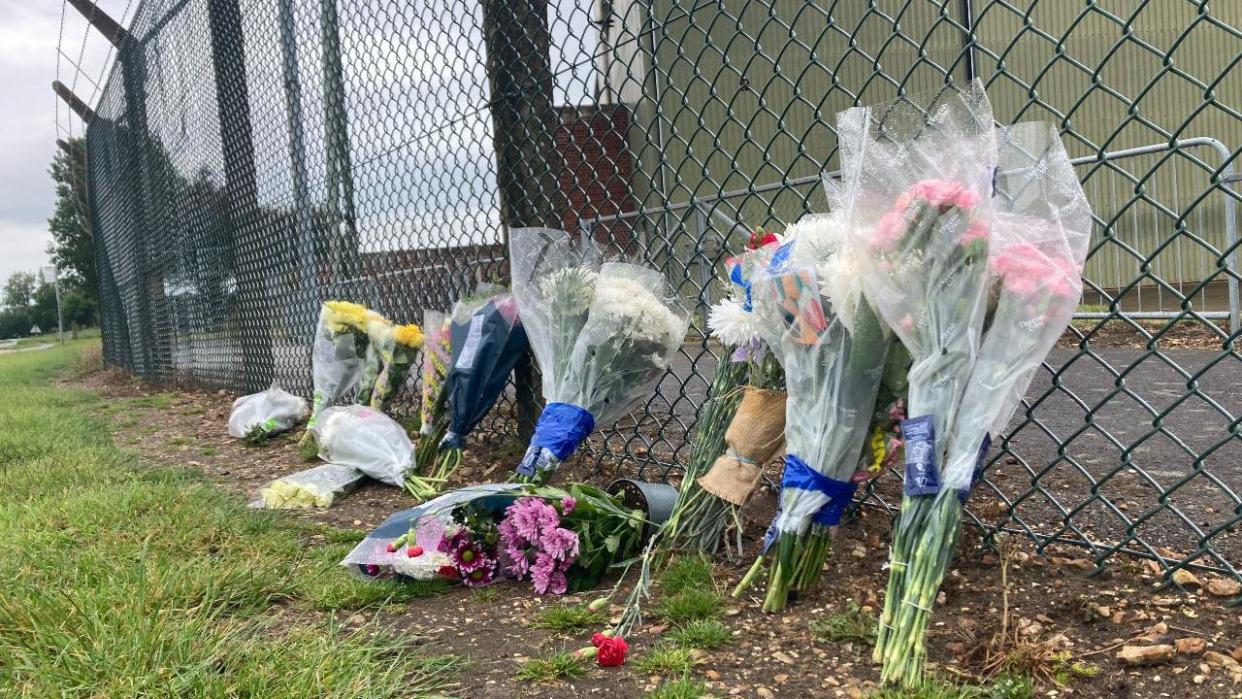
x=569, y=290
x=625, y=302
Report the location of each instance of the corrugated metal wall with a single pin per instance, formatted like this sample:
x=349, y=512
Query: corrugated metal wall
x=747, y=94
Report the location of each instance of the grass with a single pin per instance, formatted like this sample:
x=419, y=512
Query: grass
x=683, y=688
x=665, y=660
x=687, y=573
x=849, y=626
x=121, y=580
x=485, y=595
x=568, y=619
x=704, y=634
x=691, y=605
x=1000, y=687
x=549, y=668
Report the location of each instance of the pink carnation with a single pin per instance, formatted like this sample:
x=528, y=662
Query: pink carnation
x=944, y=193
x=977, y=230
x=1028, y=272
x=889, y=230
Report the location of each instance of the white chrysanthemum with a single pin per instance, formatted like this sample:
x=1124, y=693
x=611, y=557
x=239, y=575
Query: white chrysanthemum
x=569, y=289
x=732, y=324
x=816, y=238
x=621, y=301
x=840, y=282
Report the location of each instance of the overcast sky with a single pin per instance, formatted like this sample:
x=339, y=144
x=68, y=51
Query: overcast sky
x=29, y=32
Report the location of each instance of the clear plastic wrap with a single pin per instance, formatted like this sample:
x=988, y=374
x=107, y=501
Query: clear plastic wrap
x=832, y=376
x=1040, y=232
x=437, y=352
x=315, y=487
x=380, y=344
x=918, y=176
x=338, y=354
x=272, y=411
x=553, y=281
x=603, y=336
x=366, y=439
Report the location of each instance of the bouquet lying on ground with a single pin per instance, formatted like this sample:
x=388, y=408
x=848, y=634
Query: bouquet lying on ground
x=488, y=340
x=433, y=408
x=833, y=349
x=565, y=540
x=603, y=338
x=1041, y=225
x=259, y=415
x=338, y=354
x=562, y=540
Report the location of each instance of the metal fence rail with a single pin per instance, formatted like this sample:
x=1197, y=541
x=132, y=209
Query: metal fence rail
x=249, y=159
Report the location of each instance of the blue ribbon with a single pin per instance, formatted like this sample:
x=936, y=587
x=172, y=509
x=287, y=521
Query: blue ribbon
x=780, y=257
x=802, y=477
x=735, y=276
x=561, y=428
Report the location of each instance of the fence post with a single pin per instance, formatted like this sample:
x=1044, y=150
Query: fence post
x=237, y=142
x=340, y=177
x=524, y=124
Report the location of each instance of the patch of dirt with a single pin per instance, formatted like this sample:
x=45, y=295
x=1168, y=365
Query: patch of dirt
x=1052, y=595
x=1186, y=334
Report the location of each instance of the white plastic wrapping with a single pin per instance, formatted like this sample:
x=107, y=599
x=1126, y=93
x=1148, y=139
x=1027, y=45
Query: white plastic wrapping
x=315, y=487
x=554, y=282
x=918, y=177
x=273, y=410
x=603, y=336
x=634, y=327
x=365, y=439
x=1040, y=233
x=832, y=374
x=338, y=354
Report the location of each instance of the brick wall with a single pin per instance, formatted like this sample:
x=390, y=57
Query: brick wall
x=597, y=167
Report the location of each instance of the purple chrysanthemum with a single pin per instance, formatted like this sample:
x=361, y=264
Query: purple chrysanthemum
x=568, y=504
x=561, y=544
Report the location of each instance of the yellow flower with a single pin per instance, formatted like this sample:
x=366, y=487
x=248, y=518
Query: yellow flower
x=409, y=335
x=877, y=450
x=342, y=316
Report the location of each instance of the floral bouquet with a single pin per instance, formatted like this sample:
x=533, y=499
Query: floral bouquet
x=400, y=351
x=433, y=408
x=834, y=350
x=488, y=340
x=565, y=540
x=379, y=353
x=602, y=338
x=1040, y=230
x=918, y=173
x=337, y=355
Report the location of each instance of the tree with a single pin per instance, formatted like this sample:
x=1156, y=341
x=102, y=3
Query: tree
x=19, y=289
x=73, y=248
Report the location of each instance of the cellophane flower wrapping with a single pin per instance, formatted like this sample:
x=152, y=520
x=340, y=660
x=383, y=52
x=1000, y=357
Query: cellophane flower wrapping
x=379, y=354
x=918, y=180
x=433, y=408
x=488, y=342
x=270, y=412
x=832, y=374
x=338, y=354
x=603, y=336
x=402, y=344
x=1040, y=232
x=365, y=439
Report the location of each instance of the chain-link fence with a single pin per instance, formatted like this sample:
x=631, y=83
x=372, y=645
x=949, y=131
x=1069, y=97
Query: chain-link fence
x=250, y=159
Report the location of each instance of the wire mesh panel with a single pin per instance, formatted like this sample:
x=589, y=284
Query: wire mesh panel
x=252, y=159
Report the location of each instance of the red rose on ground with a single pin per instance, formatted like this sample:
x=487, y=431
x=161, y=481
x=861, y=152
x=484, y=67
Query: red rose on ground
x=611, y=652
